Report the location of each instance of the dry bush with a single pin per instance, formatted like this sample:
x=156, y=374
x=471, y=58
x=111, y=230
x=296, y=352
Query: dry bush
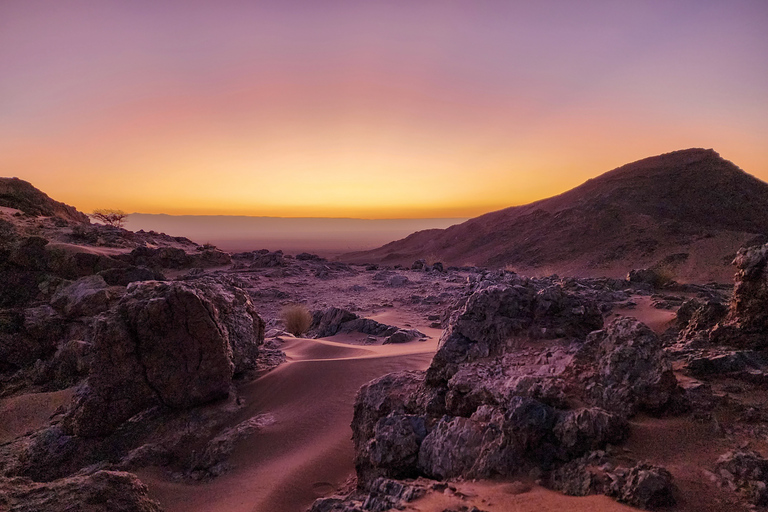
x=297, y=319
x=114, y=218
x=664, y=276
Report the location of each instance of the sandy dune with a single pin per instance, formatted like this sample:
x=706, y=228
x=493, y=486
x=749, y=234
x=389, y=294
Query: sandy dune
x=305, y=450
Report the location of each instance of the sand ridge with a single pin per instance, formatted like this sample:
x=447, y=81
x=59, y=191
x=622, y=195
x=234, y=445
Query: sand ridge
x=307, y=450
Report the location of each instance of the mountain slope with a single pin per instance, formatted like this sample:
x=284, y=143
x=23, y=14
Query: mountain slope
x=21, y=195
x=689, y=210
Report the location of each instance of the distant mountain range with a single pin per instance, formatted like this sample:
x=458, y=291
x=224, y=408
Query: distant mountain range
x=326, y=236
x=687, y=211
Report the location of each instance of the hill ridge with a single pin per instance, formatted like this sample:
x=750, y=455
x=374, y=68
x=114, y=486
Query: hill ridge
x=688, y=201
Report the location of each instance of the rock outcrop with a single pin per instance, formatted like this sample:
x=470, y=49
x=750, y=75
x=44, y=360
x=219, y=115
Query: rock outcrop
x=524, y=378
x=19, y=194
x=165, y=343
x=337, y=320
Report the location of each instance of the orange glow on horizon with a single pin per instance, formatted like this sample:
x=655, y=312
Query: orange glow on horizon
x=368, y=111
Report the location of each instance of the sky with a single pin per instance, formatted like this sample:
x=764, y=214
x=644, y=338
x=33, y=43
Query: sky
x=371, y=109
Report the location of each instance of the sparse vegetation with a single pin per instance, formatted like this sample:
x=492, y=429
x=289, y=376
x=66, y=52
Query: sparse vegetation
x=297, y=319
x=664, y=276
x=114, y=218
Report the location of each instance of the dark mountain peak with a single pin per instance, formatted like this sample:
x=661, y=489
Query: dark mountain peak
x=22, y=195
x=690, y=202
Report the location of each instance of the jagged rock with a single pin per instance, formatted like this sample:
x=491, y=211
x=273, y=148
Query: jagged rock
x=750, y=294
x=380, y=495
x=30, y=254
x=87, y=296
x=337, y=320
x=435, y=267
x=328, y=322
x=642, y=485
x=237, y=315
x=305, y=256
x=623, y=369
x=730, y=362
x=103, y=491
x=589, y=429
x=747, y=320
x=494, y=315
x=43, y=324
x=418, y=265
x=211, y=461
x=125, y=275
x=648, y=487
x=393, y=450
x=210, y=258
x=748, y=471
x=404, y=336
x=161, y=257
x=464, y=447
x=71, y=363
x=268, y=260
x=393, y=394
x=704, y=317
x=166, y=343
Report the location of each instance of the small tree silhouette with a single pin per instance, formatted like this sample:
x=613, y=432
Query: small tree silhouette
x=114, y=218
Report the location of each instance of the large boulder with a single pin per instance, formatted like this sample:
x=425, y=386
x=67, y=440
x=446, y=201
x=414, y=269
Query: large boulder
x=493, y=317
x=338, y=320
x=525, y=377
x=242, y=324
x=749, y=309
x=166, y=343
x=747, y=321
x=624, y=369
x=465, y=447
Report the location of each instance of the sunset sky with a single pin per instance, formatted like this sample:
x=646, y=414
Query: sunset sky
x=368, y=109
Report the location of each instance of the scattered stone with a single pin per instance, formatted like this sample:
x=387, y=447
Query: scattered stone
x=397, y=281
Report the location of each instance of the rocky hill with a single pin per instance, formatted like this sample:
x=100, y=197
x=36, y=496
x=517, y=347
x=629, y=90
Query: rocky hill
x=21, y=195
x=686, y=212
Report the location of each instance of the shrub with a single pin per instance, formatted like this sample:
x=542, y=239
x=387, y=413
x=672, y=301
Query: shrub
x=114, y=218
x=297, y=319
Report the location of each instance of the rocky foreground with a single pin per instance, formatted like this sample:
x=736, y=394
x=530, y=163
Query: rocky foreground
x=145, y=343
x=528, y=381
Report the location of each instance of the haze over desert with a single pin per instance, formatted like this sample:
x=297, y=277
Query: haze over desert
x=376, y=256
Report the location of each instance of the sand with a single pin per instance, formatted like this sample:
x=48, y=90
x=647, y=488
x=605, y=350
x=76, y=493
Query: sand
x=306, y=449
x=30, y=412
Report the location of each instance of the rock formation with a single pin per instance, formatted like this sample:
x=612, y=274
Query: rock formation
x=523, y=378
x=165, y=343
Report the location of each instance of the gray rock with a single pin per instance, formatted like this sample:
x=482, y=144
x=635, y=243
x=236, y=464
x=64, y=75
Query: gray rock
x=87, y=296
x=588, y=429
x=624, y=369
x=648, y=487
x=404, y=336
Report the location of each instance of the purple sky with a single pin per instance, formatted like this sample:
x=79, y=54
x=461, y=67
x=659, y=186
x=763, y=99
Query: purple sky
x=373, y=109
